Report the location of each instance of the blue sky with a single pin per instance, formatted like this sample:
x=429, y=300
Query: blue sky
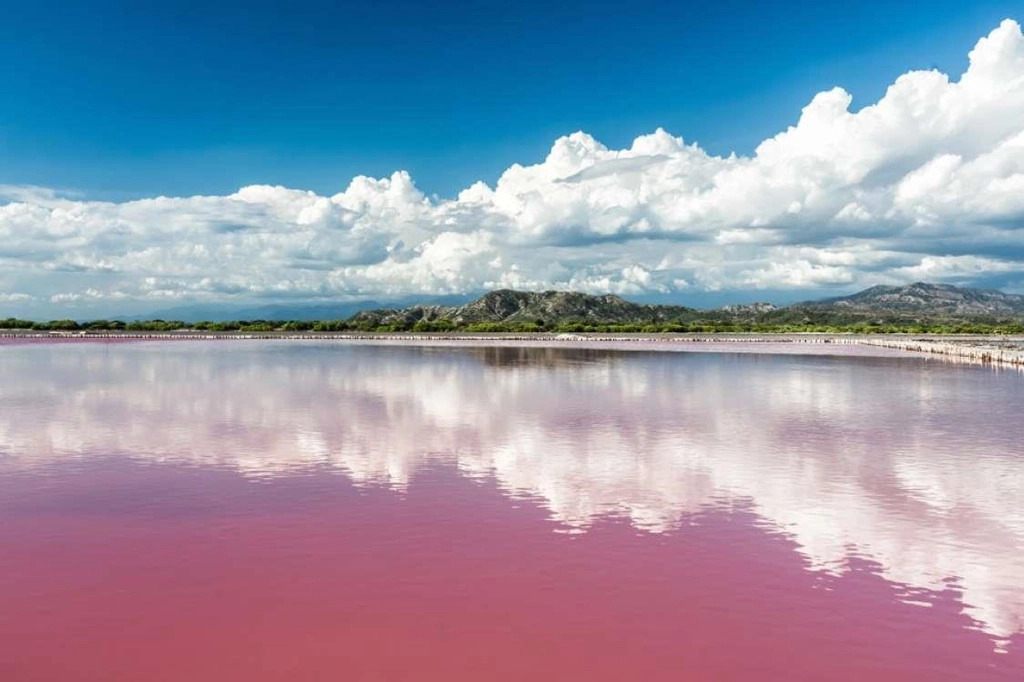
x=128, y=99
x=248, y=153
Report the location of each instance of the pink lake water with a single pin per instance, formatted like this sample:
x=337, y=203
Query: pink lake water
x=324, y=511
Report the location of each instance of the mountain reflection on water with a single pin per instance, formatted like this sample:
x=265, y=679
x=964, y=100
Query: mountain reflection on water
x=914, y=466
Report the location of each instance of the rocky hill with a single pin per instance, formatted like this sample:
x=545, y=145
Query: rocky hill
x=929, y=299
x=508, y=306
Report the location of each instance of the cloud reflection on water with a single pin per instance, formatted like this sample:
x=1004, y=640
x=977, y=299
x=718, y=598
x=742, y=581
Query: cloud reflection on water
x=914, y=466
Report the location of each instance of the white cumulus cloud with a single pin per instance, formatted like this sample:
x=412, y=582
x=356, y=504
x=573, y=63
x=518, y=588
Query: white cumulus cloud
x=928, y=182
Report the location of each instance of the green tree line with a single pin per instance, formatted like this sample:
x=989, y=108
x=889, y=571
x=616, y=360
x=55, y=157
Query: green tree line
x=713, y=325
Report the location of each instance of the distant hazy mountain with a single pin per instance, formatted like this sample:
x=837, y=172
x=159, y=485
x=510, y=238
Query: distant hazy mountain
x=924, y=298
x=286, y=311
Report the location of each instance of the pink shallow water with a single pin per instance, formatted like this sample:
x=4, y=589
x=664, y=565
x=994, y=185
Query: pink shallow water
x=321, y=512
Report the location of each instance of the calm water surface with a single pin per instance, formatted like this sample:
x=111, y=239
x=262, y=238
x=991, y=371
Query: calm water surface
x=298, y=511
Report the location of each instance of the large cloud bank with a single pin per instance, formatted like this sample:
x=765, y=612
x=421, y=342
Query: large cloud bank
x=927, y=183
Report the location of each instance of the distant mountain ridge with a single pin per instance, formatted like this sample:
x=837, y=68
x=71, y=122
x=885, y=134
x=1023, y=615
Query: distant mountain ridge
x=920, y=300
x=922, y=297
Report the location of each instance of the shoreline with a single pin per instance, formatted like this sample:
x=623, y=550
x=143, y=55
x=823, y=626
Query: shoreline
x=1001, y=351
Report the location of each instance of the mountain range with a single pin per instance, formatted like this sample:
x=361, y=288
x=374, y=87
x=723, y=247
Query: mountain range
x=902, y=305
x=920, y=297
x=918, y=301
